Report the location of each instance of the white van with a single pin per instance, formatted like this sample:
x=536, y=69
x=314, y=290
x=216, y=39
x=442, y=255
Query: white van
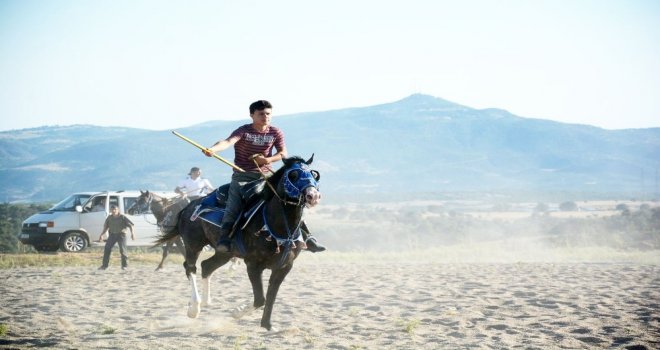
x=76, y=222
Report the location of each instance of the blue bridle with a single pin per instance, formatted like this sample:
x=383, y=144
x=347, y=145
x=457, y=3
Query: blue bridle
x=305, y=179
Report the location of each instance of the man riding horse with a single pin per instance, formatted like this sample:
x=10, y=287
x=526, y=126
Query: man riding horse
x=253, y=145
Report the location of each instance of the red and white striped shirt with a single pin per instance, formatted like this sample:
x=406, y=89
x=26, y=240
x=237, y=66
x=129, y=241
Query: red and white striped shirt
x=252, y=142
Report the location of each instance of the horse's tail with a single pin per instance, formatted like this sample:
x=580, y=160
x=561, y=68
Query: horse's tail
x=170, y=228
x=166, y=237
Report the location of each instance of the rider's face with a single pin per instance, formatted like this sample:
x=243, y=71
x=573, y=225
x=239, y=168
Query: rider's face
x=261, y=118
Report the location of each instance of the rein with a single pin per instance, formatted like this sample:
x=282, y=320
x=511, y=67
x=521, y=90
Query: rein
x=148, y=206
x=254, y=159
x=291, y=235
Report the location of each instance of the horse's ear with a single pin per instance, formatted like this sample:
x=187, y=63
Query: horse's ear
x=310, y=160
x=142, y=193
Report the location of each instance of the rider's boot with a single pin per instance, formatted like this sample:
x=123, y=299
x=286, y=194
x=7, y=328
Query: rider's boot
x=310, y=241
x=224, y=242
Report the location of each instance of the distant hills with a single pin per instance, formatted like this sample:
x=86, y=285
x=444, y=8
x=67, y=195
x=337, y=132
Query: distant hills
x=418, y=146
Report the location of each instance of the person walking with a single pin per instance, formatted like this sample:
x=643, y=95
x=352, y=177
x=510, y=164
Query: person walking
x=117, y=225
x=194, y=186
x=253, y=143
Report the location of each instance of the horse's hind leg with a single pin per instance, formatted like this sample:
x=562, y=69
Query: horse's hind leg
x=166, y=248
x=254, y=272
x=191, y=272
x=208, y=267
x=179, y=245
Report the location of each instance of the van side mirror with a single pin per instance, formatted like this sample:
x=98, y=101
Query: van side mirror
x=79, y=208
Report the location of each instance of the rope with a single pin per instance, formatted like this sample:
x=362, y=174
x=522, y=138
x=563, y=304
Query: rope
x=254, y=159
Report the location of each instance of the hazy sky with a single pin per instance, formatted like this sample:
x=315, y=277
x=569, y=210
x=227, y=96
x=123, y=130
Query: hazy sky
x=166, y=64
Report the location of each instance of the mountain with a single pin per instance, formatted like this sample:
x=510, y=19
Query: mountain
x=416, y=146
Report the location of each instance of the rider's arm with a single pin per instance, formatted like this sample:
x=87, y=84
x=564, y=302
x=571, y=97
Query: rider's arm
x=222, y=144
x=281, y=154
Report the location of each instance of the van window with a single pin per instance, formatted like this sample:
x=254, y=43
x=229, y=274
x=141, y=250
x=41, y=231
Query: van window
x=129, y=202
x=114, y=200
x=95, y=204
x=70, y=202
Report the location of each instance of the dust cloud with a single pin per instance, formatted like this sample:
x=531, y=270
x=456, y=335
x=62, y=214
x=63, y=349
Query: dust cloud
x=482, y=232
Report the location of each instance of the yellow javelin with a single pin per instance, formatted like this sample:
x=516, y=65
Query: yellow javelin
x=204, y=148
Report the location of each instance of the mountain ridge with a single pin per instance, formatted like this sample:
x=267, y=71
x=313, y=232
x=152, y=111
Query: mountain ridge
x=442, y=145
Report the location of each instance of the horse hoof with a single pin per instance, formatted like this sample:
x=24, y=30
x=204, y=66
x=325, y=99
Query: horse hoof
x=193, y=310
x=242, y=310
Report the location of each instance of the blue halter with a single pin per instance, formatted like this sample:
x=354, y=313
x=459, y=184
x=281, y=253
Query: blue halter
x=304, y=180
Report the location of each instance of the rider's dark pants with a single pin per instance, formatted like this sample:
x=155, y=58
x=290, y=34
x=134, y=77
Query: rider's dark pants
x=234, y=197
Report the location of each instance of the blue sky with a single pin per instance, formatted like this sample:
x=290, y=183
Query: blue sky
x=167, y=64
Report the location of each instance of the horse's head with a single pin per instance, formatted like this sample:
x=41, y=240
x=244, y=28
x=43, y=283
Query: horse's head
x=142, y=204
x=296, y=181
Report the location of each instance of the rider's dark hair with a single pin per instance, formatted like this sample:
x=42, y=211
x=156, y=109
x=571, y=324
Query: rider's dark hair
x=259, y=105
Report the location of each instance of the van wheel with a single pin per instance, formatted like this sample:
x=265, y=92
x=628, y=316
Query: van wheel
x=73, y=242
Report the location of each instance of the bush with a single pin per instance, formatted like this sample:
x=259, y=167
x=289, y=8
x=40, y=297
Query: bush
x=11, y=218
x=568, y=206
x=622, y=207
x=541, y=208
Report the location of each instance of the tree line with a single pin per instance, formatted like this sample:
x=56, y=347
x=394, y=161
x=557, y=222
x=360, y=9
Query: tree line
x=379, y=228
x=11, y=218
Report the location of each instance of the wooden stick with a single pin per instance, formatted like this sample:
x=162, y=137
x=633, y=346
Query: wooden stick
x=204, y=148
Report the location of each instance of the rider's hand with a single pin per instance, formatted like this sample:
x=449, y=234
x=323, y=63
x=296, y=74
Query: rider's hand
x=259, y=159
x=207, y=152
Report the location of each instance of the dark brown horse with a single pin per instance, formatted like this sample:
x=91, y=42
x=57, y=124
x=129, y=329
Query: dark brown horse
x=166, y=211
x=270, y=240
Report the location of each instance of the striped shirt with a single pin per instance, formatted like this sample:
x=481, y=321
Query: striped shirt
x=253, y=142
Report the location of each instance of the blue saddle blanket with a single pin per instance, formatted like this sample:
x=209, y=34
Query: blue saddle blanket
x=212, y=207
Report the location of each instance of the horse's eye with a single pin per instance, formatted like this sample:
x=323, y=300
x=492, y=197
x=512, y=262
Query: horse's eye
x=293, y=176
x=316, y=175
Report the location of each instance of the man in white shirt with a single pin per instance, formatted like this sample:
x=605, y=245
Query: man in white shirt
x=194, y=186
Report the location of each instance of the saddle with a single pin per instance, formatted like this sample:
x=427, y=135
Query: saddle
x=212, y=207
x=168, y=224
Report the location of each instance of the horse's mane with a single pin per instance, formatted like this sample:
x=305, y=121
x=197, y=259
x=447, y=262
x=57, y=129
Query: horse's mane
x=275, y=179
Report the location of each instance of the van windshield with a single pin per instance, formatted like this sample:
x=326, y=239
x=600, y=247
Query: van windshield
x=70, y=202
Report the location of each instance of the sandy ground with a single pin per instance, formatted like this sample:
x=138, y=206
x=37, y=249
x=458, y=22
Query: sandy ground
x=326, y=304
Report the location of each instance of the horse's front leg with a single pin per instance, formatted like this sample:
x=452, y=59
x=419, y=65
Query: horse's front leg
x=276, y=279
x=254, y=273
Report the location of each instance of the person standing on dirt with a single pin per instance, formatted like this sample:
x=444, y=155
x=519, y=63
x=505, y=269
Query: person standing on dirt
x=117, y=225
